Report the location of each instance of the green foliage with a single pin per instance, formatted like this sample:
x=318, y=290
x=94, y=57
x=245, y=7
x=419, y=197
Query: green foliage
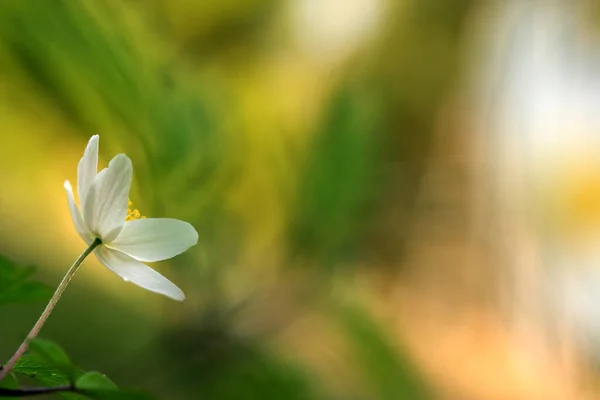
x=223, y=365
x=386, y=369
x=16, y=286
x=50, y=351
x=334, y=190
x=49, y=365
x=41, y=370
x=10, y=382
x=46, y=362
x=93, y=381
x=86, y=51
x=54, y=355
x=52, y=45
x=95, y=385
x=260, y=375
x=104, y=394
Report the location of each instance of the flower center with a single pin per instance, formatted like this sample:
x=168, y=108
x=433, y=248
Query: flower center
x=132, y=213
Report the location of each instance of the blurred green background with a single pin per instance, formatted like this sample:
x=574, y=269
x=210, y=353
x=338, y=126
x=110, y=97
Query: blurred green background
x=294, y=135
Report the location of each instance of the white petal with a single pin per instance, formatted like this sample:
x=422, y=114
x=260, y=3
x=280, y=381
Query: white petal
x=105, y=205
x=83, y=231
x=136, y=272
x=87, y=168
x=155, y=239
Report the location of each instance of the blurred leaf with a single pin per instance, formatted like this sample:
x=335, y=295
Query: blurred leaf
x=387, y=370
x=95, y=380
x=98, y=386
x=27, y=291
x=211, y=359
x=15, y=285
x=89, y=63
x=100, y=394
x=216, y=25
x=259, y=376
x=50, y=351
x=77, y=36
x=10, y=381
x=338, y=181
x=412, y=85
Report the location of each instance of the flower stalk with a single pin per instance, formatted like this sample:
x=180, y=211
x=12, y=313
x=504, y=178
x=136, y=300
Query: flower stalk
x=48, y=310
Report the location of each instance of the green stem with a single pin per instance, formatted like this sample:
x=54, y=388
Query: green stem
x=26, y=392
x=40, y=322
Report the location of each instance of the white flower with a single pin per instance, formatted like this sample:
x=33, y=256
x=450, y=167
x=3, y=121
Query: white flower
x=103, y=198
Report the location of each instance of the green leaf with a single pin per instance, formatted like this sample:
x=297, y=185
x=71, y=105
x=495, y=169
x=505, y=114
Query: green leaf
x=91, y=385
x=97, y=386
x=95, y=380
x=44, y=372
x=101, y=394
x=15, y=285
x=50, y=351
x=337, y=182
x=38, y=368
x=387, y=369
x=55, y=355
x=10, y=381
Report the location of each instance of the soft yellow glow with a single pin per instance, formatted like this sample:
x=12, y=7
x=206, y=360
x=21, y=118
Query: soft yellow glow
x=582, y=197
x=575, y=190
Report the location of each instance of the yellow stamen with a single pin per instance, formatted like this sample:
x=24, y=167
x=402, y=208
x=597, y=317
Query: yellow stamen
x=132, y=213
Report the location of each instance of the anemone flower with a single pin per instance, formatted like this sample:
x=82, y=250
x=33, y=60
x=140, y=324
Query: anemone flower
x=125, y=240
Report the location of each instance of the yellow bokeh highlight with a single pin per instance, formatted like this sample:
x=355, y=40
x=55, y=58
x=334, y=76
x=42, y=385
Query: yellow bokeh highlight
x=571, y=198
